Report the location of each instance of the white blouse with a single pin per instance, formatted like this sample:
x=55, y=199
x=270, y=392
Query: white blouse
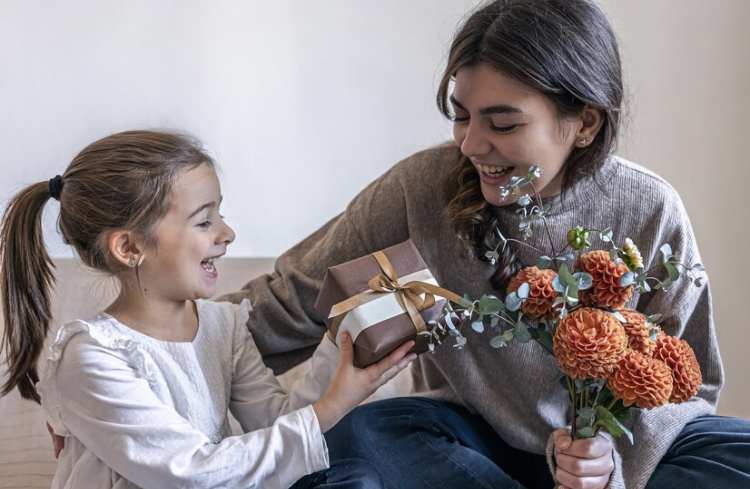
x=139, y=412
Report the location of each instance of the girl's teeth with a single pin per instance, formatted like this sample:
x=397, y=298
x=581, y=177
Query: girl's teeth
x=209, y=265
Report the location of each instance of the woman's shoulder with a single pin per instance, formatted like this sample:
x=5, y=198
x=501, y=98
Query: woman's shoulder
x=641, y=178
x=639, y=187
x=440, y=158
x=422, y=175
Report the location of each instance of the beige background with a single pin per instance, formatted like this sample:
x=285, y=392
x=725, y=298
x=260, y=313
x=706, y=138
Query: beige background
x=688, y=69
x=687, y=66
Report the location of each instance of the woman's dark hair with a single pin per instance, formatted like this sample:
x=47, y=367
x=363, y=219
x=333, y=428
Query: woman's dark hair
x=564, y=49
x=119, y=182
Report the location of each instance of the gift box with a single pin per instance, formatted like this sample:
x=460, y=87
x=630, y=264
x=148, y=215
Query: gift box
x=382, y=300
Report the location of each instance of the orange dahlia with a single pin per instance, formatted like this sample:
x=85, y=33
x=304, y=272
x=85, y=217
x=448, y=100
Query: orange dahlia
x=638, y=331
x=641, y=380
x=606, y=274
x=541, y=294
x=680, y=358
x=588, y=343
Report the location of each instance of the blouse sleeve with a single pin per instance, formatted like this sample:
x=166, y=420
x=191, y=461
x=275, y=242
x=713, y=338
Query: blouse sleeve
x=115, y=414
x=257, y=398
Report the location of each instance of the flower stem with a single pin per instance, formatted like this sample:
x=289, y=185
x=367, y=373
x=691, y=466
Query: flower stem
x=572, y=390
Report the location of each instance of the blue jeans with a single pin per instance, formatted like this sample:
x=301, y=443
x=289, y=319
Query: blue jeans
x=344, y=473
x=423, y=443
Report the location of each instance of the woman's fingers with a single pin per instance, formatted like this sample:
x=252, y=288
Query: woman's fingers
x=582, y=464
x=591, y=448
x=571, y=481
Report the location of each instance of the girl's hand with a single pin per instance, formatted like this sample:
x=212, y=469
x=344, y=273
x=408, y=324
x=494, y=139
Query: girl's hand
x=582, y=464
x=58, y=442
x=350, y=385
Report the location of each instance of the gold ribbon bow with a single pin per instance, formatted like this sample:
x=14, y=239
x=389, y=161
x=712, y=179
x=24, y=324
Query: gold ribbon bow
x=408, y=295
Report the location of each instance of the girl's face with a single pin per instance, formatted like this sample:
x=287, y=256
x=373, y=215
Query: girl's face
x=189, y=239
x=505, y=128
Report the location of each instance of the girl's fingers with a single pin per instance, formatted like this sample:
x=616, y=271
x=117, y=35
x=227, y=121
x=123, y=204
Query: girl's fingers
x=390, y=361
x=346, y=349
x=393, y=371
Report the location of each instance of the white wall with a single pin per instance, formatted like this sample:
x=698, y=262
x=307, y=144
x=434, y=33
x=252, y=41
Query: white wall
x=305, y=102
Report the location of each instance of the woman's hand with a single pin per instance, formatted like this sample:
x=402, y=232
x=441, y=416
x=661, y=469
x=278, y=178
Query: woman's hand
x=582, y=464
x=350, y=385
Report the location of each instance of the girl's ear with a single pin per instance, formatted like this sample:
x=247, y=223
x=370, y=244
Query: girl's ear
x=591, y=122
x=126, y=248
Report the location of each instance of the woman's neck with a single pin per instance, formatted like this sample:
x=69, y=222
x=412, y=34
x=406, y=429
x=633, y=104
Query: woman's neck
x=162, y=319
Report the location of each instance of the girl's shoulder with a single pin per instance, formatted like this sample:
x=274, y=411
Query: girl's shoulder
x=88, y=345
x=225, y=320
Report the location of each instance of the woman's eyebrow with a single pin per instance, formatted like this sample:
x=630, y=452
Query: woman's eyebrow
x=495, y=109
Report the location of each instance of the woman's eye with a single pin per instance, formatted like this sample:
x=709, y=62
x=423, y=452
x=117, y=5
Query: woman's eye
x=504, y=129
x=456, y=118
x=204, y=224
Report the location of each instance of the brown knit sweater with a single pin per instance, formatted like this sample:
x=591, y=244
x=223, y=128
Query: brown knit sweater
x=515, y=388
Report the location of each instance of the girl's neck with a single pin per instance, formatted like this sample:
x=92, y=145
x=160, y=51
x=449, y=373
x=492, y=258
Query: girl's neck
x=165, y=320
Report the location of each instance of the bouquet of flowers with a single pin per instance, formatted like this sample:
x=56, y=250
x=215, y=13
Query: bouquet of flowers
x=572, y=303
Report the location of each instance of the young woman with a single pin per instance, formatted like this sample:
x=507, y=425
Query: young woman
x=527, y=82
x=140, y=391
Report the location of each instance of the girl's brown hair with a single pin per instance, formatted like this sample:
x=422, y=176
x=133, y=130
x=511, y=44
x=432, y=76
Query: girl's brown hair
x=119, y=182
x=564, y=49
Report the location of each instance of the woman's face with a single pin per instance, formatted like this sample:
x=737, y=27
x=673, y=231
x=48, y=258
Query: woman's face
x=505, y=128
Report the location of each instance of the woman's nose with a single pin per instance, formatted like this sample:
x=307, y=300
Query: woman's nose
x=474, y=142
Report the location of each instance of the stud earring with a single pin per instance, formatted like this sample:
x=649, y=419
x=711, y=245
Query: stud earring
x=585, y=140
x=133, y=262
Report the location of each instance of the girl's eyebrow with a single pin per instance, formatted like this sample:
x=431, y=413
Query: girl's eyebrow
x=495, y=109
x=205, y=206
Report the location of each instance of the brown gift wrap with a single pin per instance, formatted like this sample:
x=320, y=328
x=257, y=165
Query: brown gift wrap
x=382, y=300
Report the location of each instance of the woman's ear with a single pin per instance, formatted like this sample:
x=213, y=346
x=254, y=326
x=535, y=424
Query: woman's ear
x=125, y=248
x=591, y=122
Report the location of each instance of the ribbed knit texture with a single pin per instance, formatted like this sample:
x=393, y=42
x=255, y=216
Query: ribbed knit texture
x=516, y=388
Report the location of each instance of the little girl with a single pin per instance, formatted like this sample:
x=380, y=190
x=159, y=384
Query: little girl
x=140, y=391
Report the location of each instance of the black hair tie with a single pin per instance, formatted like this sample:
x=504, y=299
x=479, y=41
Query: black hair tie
x=55, y=187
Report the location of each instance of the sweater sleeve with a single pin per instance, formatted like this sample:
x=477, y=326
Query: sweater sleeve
x=118, y=418
x=283, y=320
x=686, y=313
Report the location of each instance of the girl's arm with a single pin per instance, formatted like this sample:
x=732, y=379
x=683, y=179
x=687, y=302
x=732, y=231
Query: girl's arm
x=113, y=411
x=333, y=384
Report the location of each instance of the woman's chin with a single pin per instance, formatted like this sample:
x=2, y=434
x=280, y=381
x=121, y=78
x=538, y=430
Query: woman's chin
x=492, y=196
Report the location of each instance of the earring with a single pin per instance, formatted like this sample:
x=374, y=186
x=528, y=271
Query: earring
x=585, y=140
x=133, y=262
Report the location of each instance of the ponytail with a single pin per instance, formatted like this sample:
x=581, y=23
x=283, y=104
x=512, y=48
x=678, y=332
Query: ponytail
x=27, y=276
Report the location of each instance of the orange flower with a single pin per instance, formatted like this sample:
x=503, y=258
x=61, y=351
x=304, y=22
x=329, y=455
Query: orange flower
x=686, y=372
x=638, y=332
x=606, y=274
x=588, y=343
x=538, y=305
x=641, y=380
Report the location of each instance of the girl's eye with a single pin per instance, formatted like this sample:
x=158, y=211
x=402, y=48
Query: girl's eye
x=455, y=118
x=204, y=224
x=503, y=129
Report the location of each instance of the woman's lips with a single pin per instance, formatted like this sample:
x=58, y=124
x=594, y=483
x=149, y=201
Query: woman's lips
x=494, y=174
